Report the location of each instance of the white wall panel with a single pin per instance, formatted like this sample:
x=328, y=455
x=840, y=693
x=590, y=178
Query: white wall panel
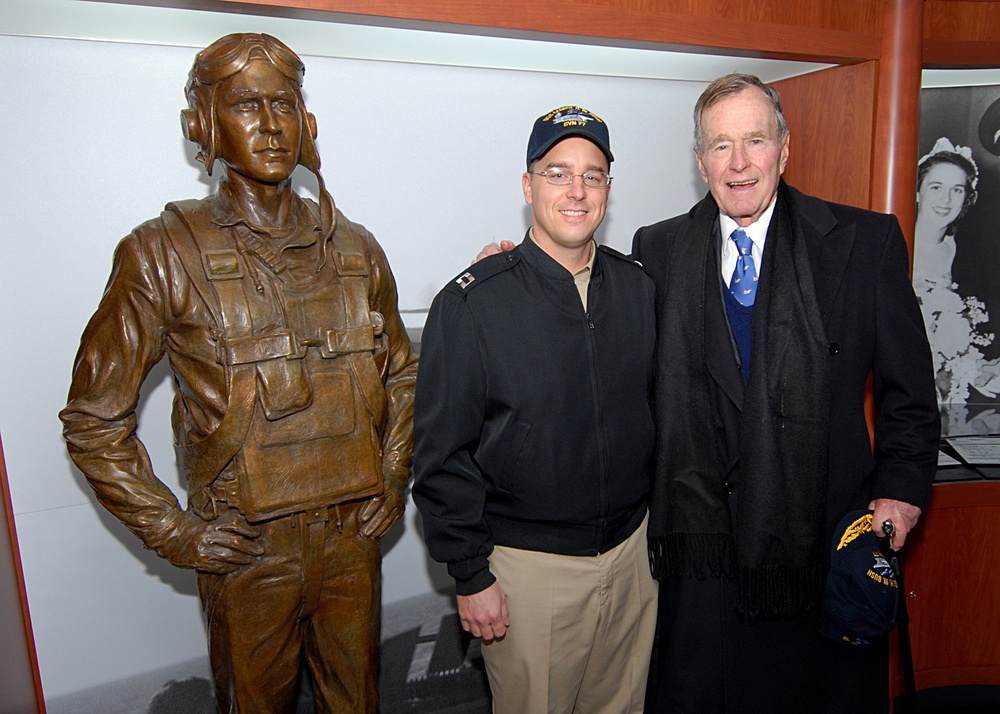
x=429, y=157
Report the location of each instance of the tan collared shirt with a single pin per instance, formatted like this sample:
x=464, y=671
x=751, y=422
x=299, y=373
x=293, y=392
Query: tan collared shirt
x=582, y=276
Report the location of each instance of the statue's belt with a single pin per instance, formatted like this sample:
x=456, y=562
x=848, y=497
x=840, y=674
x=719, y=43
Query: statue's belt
x=205, y=502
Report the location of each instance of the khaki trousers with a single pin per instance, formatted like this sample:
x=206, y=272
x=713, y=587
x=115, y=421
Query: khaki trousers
x=581, y=631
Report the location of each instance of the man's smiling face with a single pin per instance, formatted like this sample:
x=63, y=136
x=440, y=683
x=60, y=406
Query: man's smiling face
x=742, y=158
x=565, y=218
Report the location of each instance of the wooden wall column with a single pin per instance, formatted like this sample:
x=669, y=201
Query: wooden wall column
x=897, y=108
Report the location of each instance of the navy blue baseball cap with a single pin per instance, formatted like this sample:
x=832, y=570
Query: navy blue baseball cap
x=861, y=596
x=567, y=121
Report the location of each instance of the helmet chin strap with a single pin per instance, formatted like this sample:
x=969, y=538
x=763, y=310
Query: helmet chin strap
x=309, y=158
x=327, y=209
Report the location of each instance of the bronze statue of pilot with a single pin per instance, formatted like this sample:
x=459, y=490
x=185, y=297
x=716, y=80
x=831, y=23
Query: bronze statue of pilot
x=294, y=385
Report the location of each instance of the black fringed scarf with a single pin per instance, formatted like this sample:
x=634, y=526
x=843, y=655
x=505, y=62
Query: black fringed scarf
x=776, y=548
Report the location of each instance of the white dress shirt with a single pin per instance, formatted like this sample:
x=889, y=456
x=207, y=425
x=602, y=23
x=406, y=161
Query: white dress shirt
x=757, y=232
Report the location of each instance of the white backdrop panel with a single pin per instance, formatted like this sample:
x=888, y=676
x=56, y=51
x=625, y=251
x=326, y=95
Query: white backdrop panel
x=428, y=157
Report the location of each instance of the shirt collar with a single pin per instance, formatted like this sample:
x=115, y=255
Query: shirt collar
x=757, y=231
x=589, y=267
x=305, y=229
x=590, y=263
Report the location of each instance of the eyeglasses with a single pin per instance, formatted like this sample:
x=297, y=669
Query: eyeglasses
x=561, y=177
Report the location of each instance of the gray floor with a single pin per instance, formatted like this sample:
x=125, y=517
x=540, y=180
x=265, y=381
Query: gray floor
x=428, y=665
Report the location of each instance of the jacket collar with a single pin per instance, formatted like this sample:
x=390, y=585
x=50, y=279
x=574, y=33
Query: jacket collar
x=546, y=264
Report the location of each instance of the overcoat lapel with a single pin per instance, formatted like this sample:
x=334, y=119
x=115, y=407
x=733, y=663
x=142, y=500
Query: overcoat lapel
x=829, y=244
x=721, y=355
x=721, y=358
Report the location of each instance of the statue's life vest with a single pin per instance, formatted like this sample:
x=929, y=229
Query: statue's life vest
x=305, y=362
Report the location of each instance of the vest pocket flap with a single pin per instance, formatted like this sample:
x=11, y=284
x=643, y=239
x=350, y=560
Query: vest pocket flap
x=346, y=341
x=222, y=265
x=352, y=264
x=284, y=388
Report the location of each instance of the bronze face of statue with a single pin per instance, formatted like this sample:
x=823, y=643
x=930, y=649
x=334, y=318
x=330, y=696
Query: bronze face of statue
x=259, y=126
x=294, y=388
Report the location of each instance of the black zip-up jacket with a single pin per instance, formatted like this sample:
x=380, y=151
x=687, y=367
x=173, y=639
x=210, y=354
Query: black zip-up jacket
x=533, y=419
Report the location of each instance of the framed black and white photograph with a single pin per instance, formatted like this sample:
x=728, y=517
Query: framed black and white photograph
x=957, y=251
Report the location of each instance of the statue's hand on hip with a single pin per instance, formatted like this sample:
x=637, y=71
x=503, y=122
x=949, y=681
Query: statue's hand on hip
x=380, y=514
x=218, y=546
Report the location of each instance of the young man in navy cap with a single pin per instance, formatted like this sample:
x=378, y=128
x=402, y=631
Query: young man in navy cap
x=534, y=438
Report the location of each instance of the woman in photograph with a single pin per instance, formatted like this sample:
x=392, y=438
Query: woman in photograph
x=946, y=189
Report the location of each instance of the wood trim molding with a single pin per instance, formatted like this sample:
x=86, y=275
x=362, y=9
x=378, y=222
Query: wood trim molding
x=960, y=54
x=961, y=34
x=19, y=662
x=606, y=23
x=954, y=33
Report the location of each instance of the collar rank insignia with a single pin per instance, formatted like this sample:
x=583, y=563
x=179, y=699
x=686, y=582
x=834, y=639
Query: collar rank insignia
x=465, y=280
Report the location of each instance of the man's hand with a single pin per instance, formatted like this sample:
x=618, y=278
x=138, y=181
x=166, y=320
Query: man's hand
x=219, y=546
x=484, y=614
x=903, y=516
x=380, y=514
x=492, y=249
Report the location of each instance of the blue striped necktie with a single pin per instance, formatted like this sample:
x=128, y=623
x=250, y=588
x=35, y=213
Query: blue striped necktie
x=743, y=284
